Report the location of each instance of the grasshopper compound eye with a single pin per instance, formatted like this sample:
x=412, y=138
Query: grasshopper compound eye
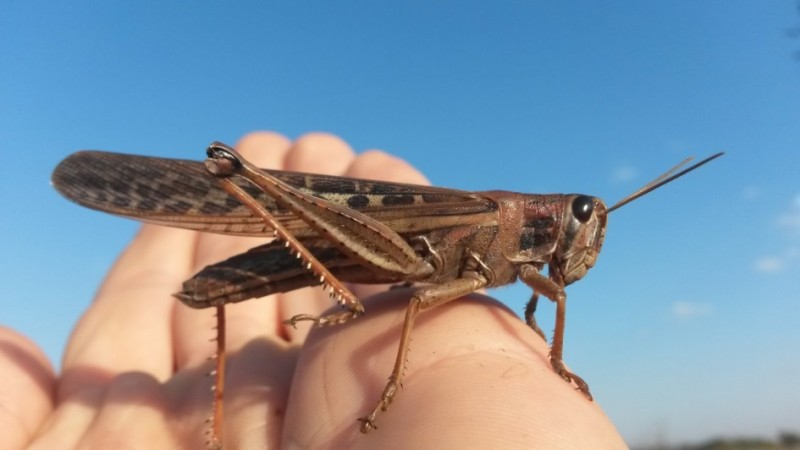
x=582, y=208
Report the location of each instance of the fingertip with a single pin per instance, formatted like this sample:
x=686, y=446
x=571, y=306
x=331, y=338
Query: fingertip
x=266, y=149
x=319, y=152
x=261, y=139
x=28, y=388
x=377, y=164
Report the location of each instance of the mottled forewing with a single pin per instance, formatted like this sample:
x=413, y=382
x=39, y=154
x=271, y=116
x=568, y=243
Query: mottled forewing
x=183, y=194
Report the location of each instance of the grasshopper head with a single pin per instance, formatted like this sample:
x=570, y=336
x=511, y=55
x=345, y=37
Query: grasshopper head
x=584, y=224
x=582, y=231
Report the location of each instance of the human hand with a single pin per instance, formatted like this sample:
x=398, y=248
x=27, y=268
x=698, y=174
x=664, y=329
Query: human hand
x=134, y=370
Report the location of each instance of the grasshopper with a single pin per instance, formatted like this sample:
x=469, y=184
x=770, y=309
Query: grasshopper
x=331, y=230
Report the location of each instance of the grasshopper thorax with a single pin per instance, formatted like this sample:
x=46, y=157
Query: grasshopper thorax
x=583, y=229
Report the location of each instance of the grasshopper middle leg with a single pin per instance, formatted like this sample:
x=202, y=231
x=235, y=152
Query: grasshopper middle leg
x=423, y=299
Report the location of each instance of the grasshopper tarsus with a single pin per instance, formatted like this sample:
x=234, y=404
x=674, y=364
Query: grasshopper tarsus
x=368, y=422
x=300, y=318
x=533, y=326
x=336, y=318
x=569, y=377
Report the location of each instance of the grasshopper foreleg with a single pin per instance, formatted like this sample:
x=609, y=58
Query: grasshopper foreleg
x=554, y=291
x=530, y=318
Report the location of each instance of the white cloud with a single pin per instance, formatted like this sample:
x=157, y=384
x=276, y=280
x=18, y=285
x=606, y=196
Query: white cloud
x=791, y=218
x=751, y=193
x=623, y=174
x=688, y=310
x=680, y=147
x=769, y=264
x=790, y=221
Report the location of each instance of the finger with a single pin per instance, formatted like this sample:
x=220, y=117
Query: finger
x=133, y=411
x=26, y=393
x=319, y=153
x=245, y=320
x=379, y=165
x=127, y=327
x=471, y=372
x=65, y=427
x=324, y=154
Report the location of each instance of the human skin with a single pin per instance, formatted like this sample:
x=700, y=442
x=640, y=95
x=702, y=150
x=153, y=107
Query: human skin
x=134, y=369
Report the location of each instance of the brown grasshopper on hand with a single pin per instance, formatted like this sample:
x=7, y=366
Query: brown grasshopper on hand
x=329, y=230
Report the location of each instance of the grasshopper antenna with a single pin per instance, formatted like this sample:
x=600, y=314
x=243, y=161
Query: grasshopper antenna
x=663, y=179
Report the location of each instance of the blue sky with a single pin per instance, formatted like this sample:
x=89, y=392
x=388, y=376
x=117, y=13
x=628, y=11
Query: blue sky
x=688, y=325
